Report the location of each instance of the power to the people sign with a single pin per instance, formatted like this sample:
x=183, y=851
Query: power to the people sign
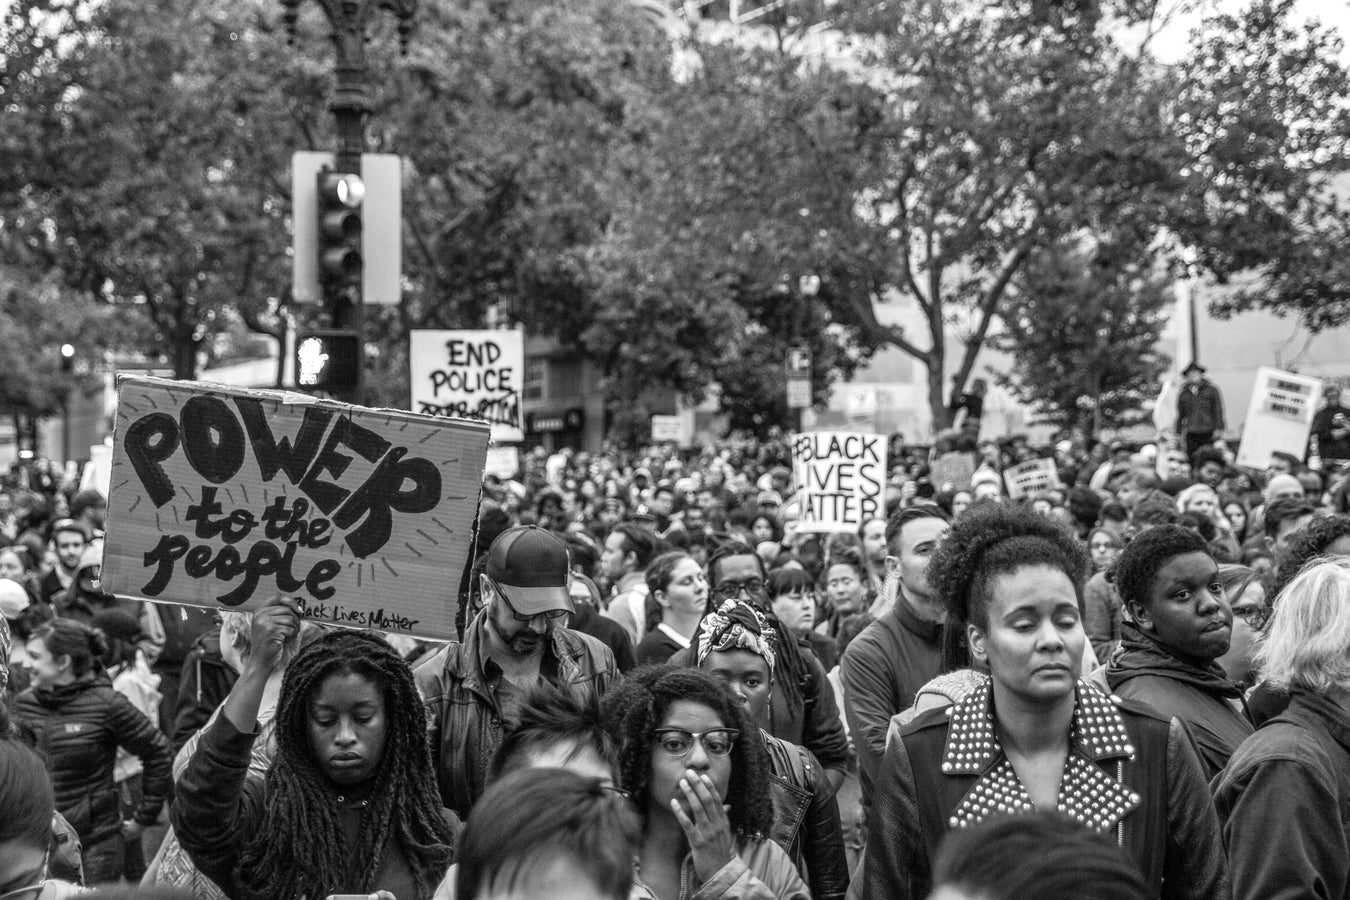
x=840, y=479
x=224, y=497
x=470, y=374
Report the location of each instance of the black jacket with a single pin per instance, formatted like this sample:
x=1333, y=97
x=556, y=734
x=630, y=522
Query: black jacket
x=806, y=819
x=1199, y=411
x=78, y=728
x=948, y=770
x=205, y=683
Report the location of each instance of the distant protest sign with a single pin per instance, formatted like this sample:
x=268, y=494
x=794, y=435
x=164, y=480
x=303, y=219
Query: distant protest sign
x=472, y=375
x=1031, y=477
x=952, y=471
x=840, y=479
x=224, y=497
x=1279, y=417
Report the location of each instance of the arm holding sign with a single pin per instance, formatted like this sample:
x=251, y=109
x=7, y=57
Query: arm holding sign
x=218, y=807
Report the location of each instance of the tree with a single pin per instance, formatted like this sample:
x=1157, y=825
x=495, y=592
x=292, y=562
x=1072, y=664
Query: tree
x=1265, y=108
x=1083, y=326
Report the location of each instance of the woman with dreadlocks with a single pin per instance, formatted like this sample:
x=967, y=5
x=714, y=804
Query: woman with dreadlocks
x=349, y=803
x=686, y=749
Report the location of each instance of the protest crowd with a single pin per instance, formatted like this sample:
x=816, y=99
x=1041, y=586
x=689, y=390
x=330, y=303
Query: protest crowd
x=1125, y=675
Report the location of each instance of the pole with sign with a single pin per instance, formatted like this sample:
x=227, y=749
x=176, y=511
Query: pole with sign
x=799, y=381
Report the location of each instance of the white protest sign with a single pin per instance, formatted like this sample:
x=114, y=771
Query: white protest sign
x=472, y=375
x=223, y=497
x=1031, y=477
x=504, y=462
x=677, y=429
x=840, y=479
x=1279, y=417
x=952, y=471
x=98, y=471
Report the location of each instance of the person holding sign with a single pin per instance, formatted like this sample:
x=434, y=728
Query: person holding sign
x=349, y=805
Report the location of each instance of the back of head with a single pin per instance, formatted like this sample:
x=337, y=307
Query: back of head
x=538, y=831
x=84, y=501
x=25, y=796
x=558, y=724
x=1287, y=509
x=1043, y=854
x=1142, y=558
x=85, y=646
x=640, y=541
x=1307, y=643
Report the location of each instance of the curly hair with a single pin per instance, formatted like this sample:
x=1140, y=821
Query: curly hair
x=299, y=849
x=635, y=709
x=1308, y=544
x=1149, y=552
x=998, y=540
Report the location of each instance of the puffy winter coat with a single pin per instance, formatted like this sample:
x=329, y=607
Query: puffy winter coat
x=78, y=728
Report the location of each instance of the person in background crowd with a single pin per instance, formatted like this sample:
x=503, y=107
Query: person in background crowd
x=87, y=597
x=629, y=549
x=79, y=722
x=473, y=688
x=548, y=834
x=1247, y=597
x=1101, y=603
x=1115, y=518
x=792, y=594
x=68, y=540
x=1033, y=736
x=738, y=646
x=872, y=539
x=675, y=581
x=1199, y=410
x=1181, y=624
x=698, y=772
x=1209, y=466
x=349, y=805
x=899, y=652
x=89, y=509
x=1235, y=511
x=17, y=565
x=1284, y=798
x=1283, y=519
x=1045, y=855
x=586, y=619
x=1104, y=547
x=1331, y=428
x=845, y=585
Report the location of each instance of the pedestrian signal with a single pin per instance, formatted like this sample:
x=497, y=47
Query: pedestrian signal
x=328, y=361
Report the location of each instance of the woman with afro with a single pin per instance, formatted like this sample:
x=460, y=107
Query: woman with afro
x=350, y=804
x=1033, y=735
x=696, y=768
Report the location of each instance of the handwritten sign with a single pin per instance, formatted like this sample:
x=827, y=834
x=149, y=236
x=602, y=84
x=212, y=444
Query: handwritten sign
x=952, y=471
x=840, y=479
x=1279, y=417
x=224, y=497
x=1031, y=477
x=472, y=375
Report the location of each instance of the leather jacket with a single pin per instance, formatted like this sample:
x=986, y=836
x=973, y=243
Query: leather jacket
x=806, y=818
x=464, y=717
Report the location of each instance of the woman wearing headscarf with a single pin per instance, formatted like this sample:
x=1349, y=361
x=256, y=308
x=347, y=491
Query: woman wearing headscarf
x=737, y=645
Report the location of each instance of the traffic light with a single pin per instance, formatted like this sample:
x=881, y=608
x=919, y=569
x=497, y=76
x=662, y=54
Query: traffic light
x=340, y=195
x=328, y=360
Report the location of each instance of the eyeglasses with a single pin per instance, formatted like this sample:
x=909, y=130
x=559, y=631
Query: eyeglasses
x=1254, y=616
x=678, y=742
x=519, y=617
x=729, y=590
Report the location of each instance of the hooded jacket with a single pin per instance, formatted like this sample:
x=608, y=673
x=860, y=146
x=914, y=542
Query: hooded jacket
x=1206, y=702
x=78, y=728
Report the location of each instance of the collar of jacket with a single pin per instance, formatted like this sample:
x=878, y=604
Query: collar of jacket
x=64, y=693
x=1086, y=792
x=1334, y=716
x=469, y=663
x=928, y=632
x=1142, y=655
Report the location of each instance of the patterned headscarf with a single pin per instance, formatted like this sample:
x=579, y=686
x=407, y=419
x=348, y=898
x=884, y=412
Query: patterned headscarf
x=4, y=653
x=737, y=626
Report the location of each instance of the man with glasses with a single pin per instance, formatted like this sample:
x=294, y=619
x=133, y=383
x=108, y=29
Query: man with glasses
x=473, y=689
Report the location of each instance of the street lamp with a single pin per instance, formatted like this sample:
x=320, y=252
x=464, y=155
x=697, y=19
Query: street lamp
x=350, y=107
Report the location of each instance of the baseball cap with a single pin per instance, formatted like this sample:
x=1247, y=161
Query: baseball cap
x=13, y=600
x=529, y=566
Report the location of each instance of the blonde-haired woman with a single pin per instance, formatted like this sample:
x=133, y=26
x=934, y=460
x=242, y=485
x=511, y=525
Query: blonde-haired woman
x=1284, y=799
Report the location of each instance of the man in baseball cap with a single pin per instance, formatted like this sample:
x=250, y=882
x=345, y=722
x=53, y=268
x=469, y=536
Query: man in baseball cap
x=473, y=689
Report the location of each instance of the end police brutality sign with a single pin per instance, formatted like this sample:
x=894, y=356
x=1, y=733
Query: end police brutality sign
x=223, y=497
x=840, y=479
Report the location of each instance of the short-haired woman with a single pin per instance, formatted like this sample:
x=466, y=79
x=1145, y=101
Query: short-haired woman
x=1284, y=798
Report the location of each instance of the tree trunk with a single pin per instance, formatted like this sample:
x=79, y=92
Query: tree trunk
x=937, y=403
x=185, y=359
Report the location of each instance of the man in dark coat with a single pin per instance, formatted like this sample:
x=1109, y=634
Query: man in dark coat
x=1199, y=410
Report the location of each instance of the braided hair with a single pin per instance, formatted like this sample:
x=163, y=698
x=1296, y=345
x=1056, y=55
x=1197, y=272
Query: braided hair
x=635, y=709
x=986, y=542
x=793, y=666
x=299, y=850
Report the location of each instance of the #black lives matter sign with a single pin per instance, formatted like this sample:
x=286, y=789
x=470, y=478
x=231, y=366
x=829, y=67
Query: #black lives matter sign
x=840, y=479
x=223, y=498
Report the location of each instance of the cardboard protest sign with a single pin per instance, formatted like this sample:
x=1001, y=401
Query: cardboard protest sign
x=1031, y=477
x=840, y=479
x=952, y=471
x=224, y=497
x=472, y=375
x=504, y=462
x=1279, y=417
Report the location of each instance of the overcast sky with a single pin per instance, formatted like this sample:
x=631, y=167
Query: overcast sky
x=1170, y=42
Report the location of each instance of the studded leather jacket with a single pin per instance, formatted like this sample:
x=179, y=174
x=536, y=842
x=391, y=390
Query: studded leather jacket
x=1130, y=774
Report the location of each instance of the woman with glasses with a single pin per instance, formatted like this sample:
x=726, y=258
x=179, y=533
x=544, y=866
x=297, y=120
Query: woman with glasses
x=1247, y=596
x=738, y=647
x=696, y=769
x=677, y=585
